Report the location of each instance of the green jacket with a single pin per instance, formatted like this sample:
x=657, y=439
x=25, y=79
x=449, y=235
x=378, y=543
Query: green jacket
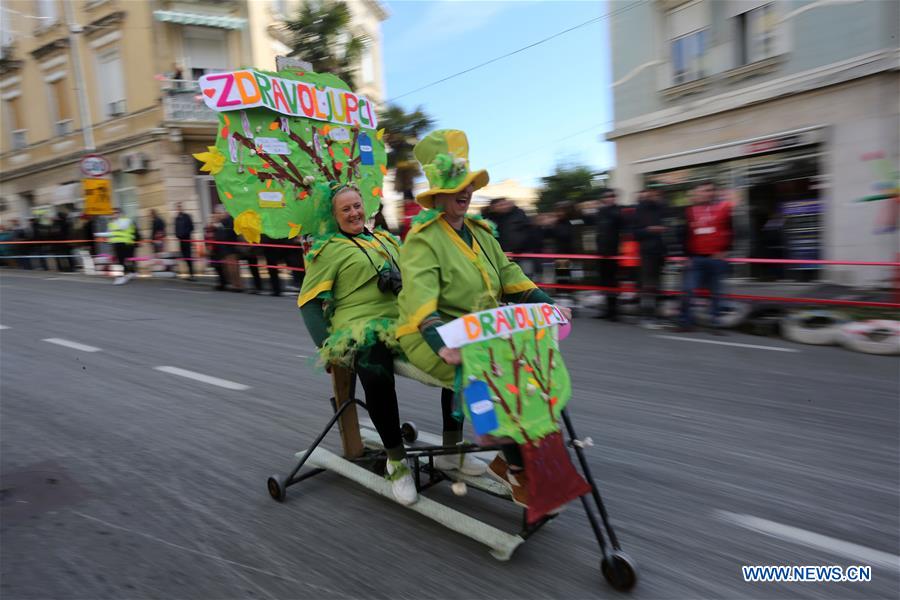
x=442, y=273
x=341, y=277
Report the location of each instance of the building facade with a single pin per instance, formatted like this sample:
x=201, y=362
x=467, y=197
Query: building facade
x=791, y=104
x=118, y=78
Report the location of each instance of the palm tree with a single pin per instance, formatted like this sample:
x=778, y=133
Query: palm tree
x=402, y=131
x=320, y=34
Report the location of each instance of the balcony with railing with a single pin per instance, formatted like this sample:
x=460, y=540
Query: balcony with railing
x=183, y=103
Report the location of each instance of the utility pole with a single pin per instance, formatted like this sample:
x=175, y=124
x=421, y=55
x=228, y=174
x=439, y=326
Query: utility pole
x=87, y=128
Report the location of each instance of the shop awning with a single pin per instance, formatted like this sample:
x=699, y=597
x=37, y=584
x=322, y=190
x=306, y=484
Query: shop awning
x=187, y=18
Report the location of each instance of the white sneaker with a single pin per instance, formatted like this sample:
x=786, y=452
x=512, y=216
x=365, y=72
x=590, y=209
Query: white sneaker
x=402, y=485
x=469, y=465
x=119, y=280
x=129, y=277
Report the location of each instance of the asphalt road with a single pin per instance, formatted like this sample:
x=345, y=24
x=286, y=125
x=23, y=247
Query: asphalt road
x=120, y=480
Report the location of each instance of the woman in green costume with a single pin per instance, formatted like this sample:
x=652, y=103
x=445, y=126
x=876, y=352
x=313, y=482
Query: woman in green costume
x=458, y=267
x=352, y=318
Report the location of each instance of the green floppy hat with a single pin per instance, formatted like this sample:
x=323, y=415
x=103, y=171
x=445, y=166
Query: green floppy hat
x=444, y=156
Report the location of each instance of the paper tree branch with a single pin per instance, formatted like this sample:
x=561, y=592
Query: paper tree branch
x=280, y=172
x=505, y=406
x=313, y=156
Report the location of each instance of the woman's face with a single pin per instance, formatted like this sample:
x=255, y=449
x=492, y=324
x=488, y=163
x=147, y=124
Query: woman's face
x=455, y=205
x=348, y=212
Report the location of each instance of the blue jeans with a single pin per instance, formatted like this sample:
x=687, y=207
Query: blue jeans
x=703, y=272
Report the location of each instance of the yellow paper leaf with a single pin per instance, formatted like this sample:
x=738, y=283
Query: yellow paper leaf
x=540, y=334
x=295, y=230
x=249, y=225
x=213, y=160
x=379, y=134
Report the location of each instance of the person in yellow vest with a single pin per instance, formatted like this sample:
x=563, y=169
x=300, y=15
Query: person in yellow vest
x=454, y=265
x=123, y=235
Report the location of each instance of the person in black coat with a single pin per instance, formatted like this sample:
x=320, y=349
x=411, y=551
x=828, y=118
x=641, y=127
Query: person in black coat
x=39, y=233
x=516, y=233
x=649, y=231
x=512, y=224
x=184, y=229
x=157, y=231
x=61, y=231
x=609, y=224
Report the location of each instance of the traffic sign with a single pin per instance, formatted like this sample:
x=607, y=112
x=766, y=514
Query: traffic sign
x=97, y=196
x=94, y=165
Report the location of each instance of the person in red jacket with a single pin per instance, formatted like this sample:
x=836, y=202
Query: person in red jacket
x=707, y=239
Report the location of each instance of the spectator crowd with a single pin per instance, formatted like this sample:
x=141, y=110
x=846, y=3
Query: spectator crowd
x=632, y=239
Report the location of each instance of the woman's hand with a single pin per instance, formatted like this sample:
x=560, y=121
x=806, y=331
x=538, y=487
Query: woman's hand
x=566, y=311
x=451, y=356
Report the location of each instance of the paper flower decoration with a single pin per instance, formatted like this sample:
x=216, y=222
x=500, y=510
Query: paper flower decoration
x=213, y=160
x=249, y=225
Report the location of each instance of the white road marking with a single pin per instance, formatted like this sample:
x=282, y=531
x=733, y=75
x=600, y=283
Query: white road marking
x=855, y=552
x=302, y=356
x=104, y=281
x=736, y=344
x=229, y=385
x=4, y=327
x=71, y=344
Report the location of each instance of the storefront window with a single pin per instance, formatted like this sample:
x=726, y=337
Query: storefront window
x=778, y=210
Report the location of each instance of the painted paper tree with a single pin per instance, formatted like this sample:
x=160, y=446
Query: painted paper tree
x=273, y=165
x=528, y=381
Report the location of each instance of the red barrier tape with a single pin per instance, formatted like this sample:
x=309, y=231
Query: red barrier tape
x=770, y=261
x=232, y=262
x=703, y=293
x=560, y=286
x=762, y=261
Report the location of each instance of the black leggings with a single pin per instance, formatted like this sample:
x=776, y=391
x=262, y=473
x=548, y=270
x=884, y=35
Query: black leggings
x=375, y=368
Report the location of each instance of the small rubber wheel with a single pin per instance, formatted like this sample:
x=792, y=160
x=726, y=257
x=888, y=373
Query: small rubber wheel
x=276, y=487
x=619, y=571
x=409, y=432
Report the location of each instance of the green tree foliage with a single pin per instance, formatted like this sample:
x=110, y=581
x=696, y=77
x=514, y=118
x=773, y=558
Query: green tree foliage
x=402, y=130
x=320, y=34
x=569, y=184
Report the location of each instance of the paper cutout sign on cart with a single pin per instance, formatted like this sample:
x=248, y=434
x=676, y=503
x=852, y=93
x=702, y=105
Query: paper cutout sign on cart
x=515, y=381
x=283, y=139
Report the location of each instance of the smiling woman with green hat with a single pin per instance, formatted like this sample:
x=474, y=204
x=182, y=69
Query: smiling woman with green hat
x=454, y=266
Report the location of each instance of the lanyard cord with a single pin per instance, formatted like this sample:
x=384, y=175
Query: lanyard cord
x=475, y=239
x=372, y=262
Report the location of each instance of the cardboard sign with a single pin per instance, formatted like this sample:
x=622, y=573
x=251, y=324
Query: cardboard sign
x=273, y=146
x=497, y=322
x=522, y=375
x=275, y=160
x=249, y=88
x=97, y=196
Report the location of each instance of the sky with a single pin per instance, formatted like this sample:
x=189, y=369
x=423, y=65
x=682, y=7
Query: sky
x=523, y=114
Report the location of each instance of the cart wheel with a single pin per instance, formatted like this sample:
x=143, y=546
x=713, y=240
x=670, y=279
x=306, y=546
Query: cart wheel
x=619, y=571
x=409, y=432
x=276, y=487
